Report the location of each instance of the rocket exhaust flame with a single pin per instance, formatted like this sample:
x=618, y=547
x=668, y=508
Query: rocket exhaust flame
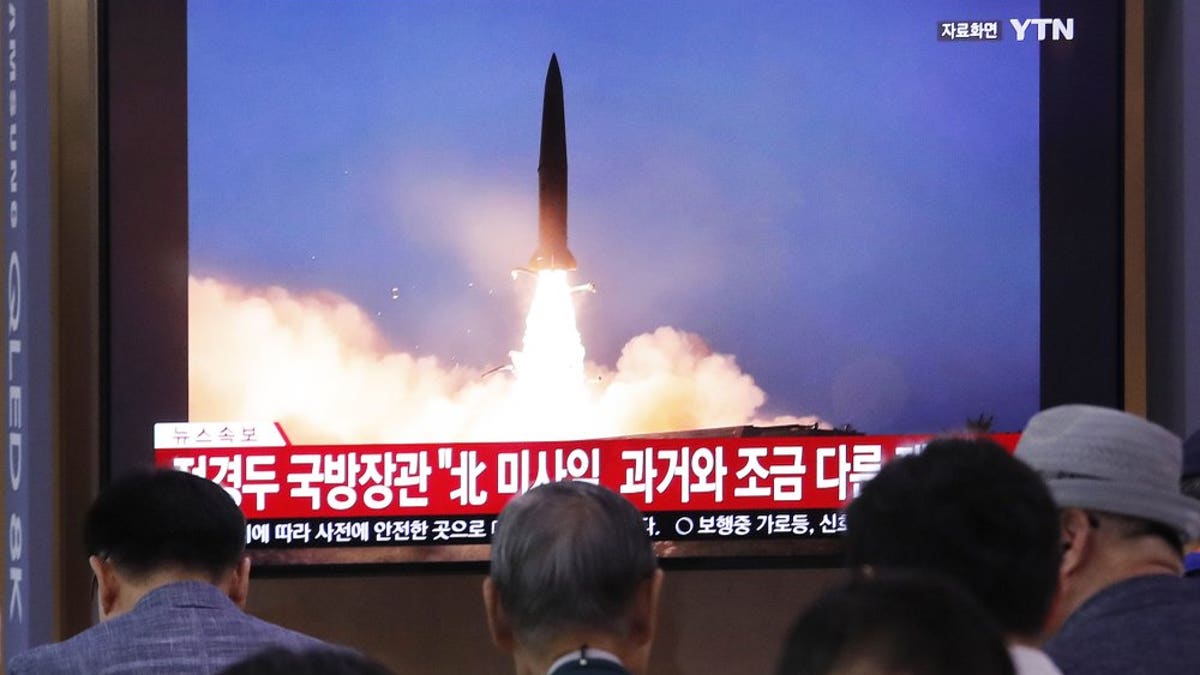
x=552, y=351
x=548, y=372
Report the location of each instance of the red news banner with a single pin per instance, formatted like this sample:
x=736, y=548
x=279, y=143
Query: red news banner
x=446, y=493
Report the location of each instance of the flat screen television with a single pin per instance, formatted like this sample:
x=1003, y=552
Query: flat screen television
x=805, y=237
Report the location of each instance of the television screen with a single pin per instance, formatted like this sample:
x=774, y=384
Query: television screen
x=781, y=244
x=807, y=212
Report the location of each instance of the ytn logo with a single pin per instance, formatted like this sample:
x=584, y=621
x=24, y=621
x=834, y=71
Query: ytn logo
x=1060, y=29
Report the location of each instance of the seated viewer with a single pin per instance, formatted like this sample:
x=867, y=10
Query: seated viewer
x=895, y=624
x=574, y=584
x=167, y=551
x=966, y=509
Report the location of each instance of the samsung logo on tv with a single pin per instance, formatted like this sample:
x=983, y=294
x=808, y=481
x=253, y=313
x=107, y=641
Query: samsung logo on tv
x=993, y=29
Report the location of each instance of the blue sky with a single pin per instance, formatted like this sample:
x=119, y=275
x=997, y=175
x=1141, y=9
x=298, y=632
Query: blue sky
x=823, y=190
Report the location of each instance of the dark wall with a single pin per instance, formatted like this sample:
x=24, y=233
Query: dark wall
x=718, y=622
x=1082, y=199
x=1173, y=213
x=143, y=226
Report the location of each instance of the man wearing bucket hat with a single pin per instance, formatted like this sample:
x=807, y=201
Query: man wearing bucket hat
x=1122, y=606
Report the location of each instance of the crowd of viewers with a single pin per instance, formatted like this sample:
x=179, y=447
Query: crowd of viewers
x=1065, y=557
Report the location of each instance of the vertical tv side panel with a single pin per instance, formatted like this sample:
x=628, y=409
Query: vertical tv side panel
x=143, y=225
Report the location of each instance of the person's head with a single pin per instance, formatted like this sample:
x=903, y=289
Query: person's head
x=149, y=528
x=310, y=662
x=571, y=564
x=893, y=624
x=967, y=509
x=1115, y=478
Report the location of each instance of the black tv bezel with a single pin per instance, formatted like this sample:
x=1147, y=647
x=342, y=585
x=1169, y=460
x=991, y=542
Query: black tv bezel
x=144, y=213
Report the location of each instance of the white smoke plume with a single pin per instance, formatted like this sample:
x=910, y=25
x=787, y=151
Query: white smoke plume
x=318, y=365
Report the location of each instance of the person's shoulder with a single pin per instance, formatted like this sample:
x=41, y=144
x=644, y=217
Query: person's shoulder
x=73, y=655
x=268, y=633
x=205, y=614
x=221, y=630
x=37, y=660
x=1144, y=593
x=85, y=652
x=1132, y=626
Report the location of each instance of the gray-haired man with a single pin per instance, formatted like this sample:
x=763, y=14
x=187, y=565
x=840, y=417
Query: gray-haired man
x=574, y=583
x=1122, y=605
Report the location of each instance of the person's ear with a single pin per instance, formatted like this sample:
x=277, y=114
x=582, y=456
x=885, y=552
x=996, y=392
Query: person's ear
x=1077, y=538
x=108, y=585
x=498, y=623
x=239, y=583
x=645, y=609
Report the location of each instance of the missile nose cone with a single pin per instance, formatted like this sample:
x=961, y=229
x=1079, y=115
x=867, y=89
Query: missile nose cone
x=553, y=76
x=554, y=124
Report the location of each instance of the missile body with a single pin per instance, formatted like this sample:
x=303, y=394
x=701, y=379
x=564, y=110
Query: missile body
x=551, y=252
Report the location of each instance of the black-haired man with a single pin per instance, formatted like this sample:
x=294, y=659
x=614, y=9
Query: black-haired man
x=895, y=623
x=167, y=551
x=574, y=583
x=966, y=509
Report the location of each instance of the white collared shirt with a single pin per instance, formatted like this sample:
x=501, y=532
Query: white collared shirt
x=1031, y=661
x=583, y=655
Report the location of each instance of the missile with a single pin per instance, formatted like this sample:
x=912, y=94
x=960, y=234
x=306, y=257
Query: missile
x=551, y=252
